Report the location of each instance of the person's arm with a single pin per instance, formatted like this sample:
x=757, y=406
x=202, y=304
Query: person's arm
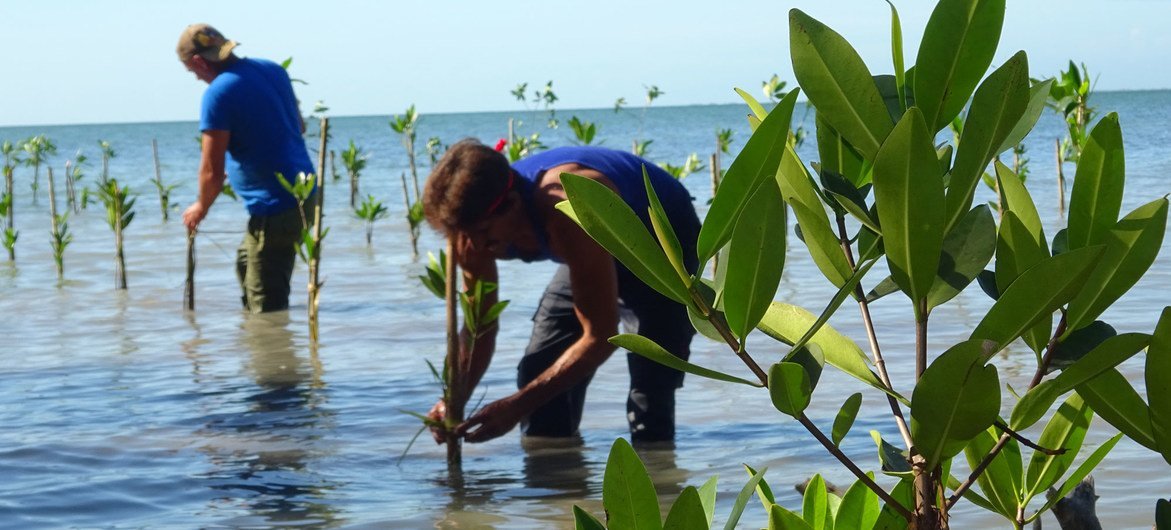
x=211, y=176
x=594, y=282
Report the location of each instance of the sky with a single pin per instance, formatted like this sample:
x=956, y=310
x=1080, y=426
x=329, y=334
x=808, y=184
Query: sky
x=74, y=61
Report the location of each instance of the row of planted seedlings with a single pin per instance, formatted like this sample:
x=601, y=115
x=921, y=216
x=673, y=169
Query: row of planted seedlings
x=883, y=191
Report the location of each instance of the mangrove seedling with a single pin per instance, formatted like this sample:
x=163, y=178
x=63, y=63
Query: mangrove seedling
x=652, y=93
x=583, y=131
x=690, y=165
x=618, y=104
x=108, y=153
x=911, y=205
x=414, y=217
x=641, y=148
x=1069, y=95
x=524, y=146
x=354, y=160
x=435, y=149
x=59, y=233
x=723, y=147
x=163, y=188
x=11, y=159
x=405, y=126
x=74, y=173
x=119, y=203
x=37, y=150
x=305, y=188
x=370, y=210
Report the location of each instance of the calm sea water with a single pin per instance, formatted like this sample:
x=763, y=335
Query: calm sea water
x=120, y=410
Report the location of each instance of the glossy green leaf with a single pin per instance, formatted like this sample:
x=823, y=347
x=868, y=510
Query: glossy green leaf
x=1110, y=353
x=707, y=496
x=687, y=512
x=1036, y=294
x=756, y=258
x=843, y=196
x=1000, y=481
x=1079, y=343
x=754, y=105
x=787, y=323
x=1082, y=471
x=838, y=83
x=647, y=348
x=781, y=519
x=957, y=47
x=824, y=247
x=756, y=163
x=1034, y=404
x=893, y=462
x=996, y=108
x=608, y=219
x=628, y=495
x=811, y=359
x=845, y=418
x=1019, y=249
x=1158, y=379
x=701, y=323
x=836, y=302
x=814, y=505
x=888, y=517
x=789, y=387
x=1096, y=198
x=908, y=192
x=664, y=232
x=896, y=49
x=744, y=496
x=836, y=154
x=859, y=508
x=1131, y=248
x=967, y=248
x=584, y=521
x=957, y=397
x=1015, y=198
x=1066, y=430
x=1114, y=399
x=1038, y=95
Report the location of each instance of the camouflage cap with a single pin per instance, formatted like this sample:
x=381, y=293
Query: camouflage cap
x=204, y=41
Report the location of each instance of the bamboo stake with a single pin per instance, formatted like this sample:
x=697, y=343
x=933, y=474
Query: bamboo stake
x=315, y=259
x=154, y=148
x=189, y=284
x=1060, y=181
x=53, y=215
x=455, y=402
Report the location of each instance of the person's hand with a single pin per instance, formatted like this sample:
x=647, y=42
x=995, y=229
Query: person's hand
x=193, y=215
x=437, y=414
x=492, y=421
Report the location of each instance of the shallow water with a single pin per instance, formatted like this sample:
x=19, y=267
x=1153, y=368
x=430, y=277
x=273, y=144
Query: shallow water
x=120, y=410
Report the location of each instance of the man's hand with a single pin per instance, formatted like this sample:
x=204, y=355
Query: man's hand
x=437, y=414
x=193, y=215
x=492, y=421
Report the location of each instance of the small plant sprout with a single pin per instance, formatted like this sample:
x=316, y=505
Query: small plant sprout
x=11, y=159
x=37, y=151
x=74, y=173
x=618, y=104
x=1069, y=94
x=641, y=148
x=652, y=93
x=723, y=147
x=370, y=210
x=546, y=98
x=524, y=146
x=59, y=233
x=690, y=165
x=312, y=234
x=435, y=149
x=119, y=203
x=774, y=89
x=584, y=131
x=108, y=153
x=414, y=217
x=405, y=125
x=354, y=160
x=163, y=188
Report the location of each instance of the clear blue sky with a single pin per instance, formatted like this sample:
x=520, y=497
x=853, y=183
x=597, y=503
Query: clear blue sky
x=74, y=61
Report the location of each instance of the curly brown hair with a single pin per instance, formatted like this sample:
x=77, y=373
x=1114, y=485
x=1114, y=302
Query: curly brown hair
x=463, y=185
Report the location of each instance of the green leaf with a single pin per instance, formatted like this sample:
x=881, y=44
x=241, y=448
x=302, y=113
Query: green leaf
x=608, y=219
x=957, y=47
x=744, y=496
x=1018, y=249
x=663, y=231
x=1066, y=430
x=1016, y=199
x=1082, y=472
x=759, y=160
x=787, y=323
x=1038, y=95
x=966, y=250
x=1079, y=343
x=836, y=154
x=824, y=247
x=908, y=192
x=756, y=258
x=957, y=397
x=896, y=49
x=859, y=508
x=849, y=198
x=1131, y=248
x=894, y=462
x=789, y=387
x=687, y=513
x=845, y=418
x=1117, y=402
x=1000, y=481
x=1158, y=379
x=584, y=521
x=1110, y=353
x=753, y=104
x=838, y=83
x=647, y=348
x=1096, y=198
x=1036, y=294
x=628, y=495
x=996, y=108
x=1034, y=404
x=814, y=506
x=707, y=496
x=888, y=517
x=781, y=519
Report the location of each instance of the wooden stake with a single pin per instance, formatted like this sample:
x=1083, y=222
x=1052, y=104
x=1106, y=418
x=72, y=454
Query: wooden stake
x=1060, y=181
x=453, y=372
x=189, y=284
x=315, y=260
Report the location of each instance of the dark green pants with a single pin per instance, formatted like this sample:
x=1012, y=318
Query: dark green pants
x=265, y=259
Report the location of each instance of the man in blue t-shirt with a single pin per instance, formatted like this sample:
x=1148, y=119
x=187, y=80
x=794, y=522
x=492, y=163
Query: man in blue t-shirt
x=249, y=117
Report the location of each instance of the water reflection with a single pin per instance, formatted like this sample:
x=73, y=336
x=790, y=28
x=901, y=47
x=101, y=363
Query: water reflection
x=263, y=439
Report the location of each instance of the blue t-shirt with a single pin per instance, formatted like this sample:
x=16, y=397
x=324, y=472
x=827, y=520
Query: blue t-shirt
x=253, y=100
x=623, y=169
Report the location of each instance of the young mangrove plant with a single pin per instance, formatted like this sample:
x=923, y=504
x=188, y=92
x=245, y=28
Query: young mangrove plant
x=304, y=189
x=37, y=151
x=369, y=211
x=119, y=202
x=583, y=131
x=884, y=192
x=354, y=160
x=414, y=215
x=59, y=232
x=163, y=188
x=11, y=159
x=1069, y=95
x=723, y=147
x=690, y=165
x=74, y=173
x=639, y=146
x=405, y=125
x=435, y=149
x=108, y=153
